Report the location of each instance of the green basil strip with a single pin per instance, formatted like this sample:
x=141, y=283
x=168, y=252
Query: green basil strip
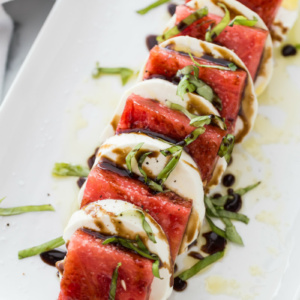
x=65, y=169
x=200, y=265
x=41, y=248
x=231, y=66
x=226, y=147
x=221, y=201
x=241, y=20
x=196, y=120
x=2, y=199
x=210, y=207
x=140, y=249
x=140, y=165
x=155, y=269
x=185, y=86
x=231, y=233
x=167, y=170
x=125, y=73
x=145, y=224
x=232, y=215
x=155, y=186
x=215, y=228
x=141, y=244
x=171, y=150
x=180, y=108
x=113, y=285
x=151, y=6
x=243, y=191
x=10, y=211
x=193, y=136
x=191, y=83
x=212, y=33
x=131, y=154
x=198, y=14
x=130, y=245
x=210, y=119
x=152, y=184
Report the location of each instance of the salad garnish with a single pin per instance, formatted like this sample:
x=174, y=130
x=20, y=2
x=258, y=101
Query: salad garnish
x=125, y=73
x=65, y=169
x=41, y=248
x=139, y=247
x=145, y=224
x=113, y=285
x=143, y=11
x=226, y=147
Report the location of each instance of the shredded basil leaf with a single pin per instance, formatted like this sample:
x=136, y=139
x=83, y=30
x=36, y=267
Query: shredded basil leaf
x=155, y=269
x=215, y=228
x=167, y=170
x=125, y=73
x=231, y=66
x=191, y=83
x=226, y=147
x=151, y=6
x=241, y=20
x=137, y=246
x=131, y=154
x=2, y=199
x=140, y=164
x=10, y=211
x=200, y=265
x=152, y=184
x=65, y=169
x=244, y=190
x=221, y=201
x=209, y=119
x=113, y=285
x=145, y=224
x=231, y=233
x=196, y=15
x=232, y=215
x=212, y=33
x=41, y=248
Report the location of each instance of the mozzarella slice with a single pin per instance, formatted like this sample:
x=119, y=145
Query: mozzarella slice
x=185, y=180
x=105, y=216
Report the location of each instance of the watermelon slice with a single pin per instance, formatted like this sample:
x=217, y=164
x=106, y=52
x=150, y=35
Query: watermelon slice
x=228, y=85
x=89, y=267
x=141, y=113
x=169, y=210
x=247, y=42
x=267, y=10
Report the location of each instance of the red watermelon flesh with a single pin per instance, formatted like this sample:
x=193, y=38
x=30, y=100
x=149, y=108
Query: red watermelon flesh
x=89, y=267
x=169, y=210
x=228, y=85
x=141, y=113
x=267, y=10
x=247, y=42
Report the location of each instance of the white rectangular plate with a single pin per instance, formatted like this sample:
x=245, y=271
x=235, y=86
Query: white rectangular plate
x=55, y=112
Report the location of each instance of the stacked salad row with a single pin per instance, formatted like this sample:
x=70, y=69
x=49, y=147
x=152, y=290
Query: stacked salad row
x=168, y=144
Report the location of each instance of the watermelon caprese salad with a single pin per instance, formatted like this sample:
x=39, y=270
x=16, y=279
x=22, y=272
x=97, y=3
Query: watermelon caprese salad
x=145, y=199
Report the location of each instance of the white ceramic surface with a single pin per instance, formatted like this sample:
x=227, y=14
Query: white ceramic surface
x=55, y=112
